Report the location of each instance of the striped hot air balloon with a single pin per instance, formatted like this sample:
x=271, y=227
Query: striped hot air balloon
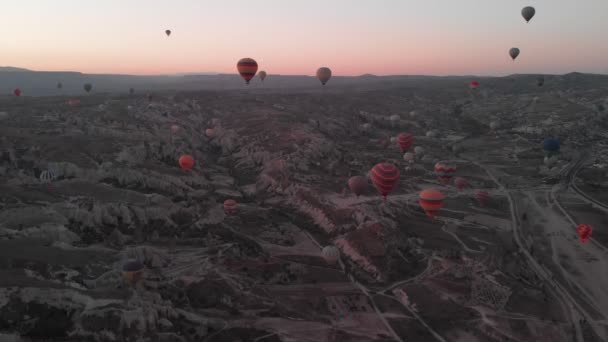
x=385, y=177
x=445, y=171
x=584, y=232
x=47, y=177
x=132, y=271
x=230, y=207
x=186, y=162
x=247, y=68
x=460, y=183
x=431, y=201
x=482, y=197
x=357, y=184
x=331, y=254
x=405, y=141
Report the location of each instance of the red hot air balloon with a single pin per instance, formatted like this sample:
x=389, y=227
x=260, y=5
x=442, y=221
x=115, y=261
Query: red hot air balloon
x=460, y=183
x=357, y=184
x=230, y=207
x=431, y=201
x=474, y=85
x=186, y=162
x=445, y=171
x=584, y=232
x=17, y=92
x=482, y=197
x=405, y=141
x=247, y=67
x=385, y=176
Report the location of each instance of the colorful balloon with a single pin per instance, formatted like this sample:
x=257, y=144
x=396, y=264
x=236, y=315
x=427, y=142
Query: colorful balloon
x=514, y=52
x=324, y=74
x=357, y=184
x=17, y=92
x=230, y=207
x=262, y=75
x=482, y=197
x=331, y=254
x=247, y=68
x=132, y=271
x=460, y=183
x=584, y=232
x=186, y=162
x=445, y=170
x=405, y=141
x=431, y=201
x=385, y=177
x=528, y=12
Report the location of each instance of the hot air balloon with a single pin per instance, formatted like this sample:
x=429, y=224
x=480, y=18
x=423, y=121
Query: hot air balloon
x=131, y=91
x=324, y=74
x=174, y=129
x=393, y=139
x=473, y=84
x=528, y=12
x=186, y=162
x=431, y=201
x=540, y=81
x=132, y=271
x=493, y=125
x=385, y=177
x=514, y=52
x=247, y=67
x=460, y=183
x=405, y=141
x=87, y=87
x=331, y=254
x=17, y=92
x=409, y=157
x=584, y=232
x=394, y=118
x=551, y=146
x=357, y=184
x=445, y=171
x=209, y=132
x=46, y=177
x=262, y=75
x=482, y=197
x=168, y=32
x=59, y=85
x=230, y=207
x=418, y=150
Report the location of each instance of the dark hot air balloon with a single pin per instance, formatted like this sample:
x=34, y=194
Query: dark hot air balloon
x=230, y=207
x=17, y=92
x=357, y=184
x=431, y=201
x=324, y=74
x=405, y=141
x=87, y=87
x=528, y=12
x=514, y=52
x=59, y=85
x=551, y=146
x=540, y=81
x=168, y=32
x=132, y=271
x=262, y=75
x=186, y=162
x=247, y=67
x=385, y=177
x=584, y=232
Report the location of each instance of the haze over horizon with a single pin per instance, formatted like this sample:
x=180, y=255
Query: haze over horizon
x=470, y=37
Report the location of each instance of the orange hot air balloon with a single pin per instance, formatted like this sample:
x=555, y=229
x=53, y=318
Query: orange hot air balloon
x=132, y=271
x=482, y=197
x=17, y=92
x=230, y=207
x=584, y=232
x=247, y=67
x=209, y=132
x=460, y=183
x=431, y=201
x=357, y=184
x=186, y=162
x=324, y=74
x=385, y=177
x=405, y=141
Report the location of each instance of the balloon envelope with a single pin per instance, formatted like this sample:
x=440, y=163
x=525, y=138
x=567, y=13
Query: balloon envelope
x=132, y=270
x=431, y=201
x=482, y=197
x=262, y=75
x=17, y=92
x=405, y=141
x=385, y=177
x=584, y=232
x=247, y=68
x=357, y=184
x=331, y=254
x=528, y=12
x=445, y=171
x=460, y=183
x=186, y=162
x=324, y=74
x=230, y=206
x=168, y=32
x=514, y=52
x=87, y=87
